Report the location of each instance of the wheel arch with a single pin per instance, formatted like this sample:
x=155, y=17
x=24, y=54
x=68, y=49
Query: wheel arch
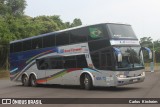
x=89, y=73
x=32, y=73
x=24, y=74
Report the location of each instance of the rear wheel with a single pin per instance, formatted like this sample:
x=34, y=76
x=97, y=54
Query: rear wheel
x=25, y=81
x=87, y=81
x=33, y=82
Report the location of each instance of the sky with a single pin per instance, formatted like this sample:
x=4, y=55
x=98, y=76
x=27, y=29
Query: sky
x=143, y=15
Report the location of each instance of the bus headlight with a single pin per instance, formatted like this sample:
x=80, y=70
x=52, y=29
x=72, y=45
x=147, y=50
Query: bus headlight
x=143, y=73
x=121, y=76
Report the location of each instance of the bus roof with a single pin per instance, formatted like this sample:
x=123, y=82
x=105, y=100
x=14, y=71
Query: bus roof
x=55, y=32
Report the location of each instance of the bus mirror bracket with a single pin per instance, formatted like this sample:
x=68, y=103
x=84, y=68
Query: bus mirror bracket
x=148, y=50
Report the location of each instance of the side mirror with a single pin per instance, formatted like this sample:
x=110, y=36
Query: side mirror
x=150, y=55
x=118, y=54
x=148, y=50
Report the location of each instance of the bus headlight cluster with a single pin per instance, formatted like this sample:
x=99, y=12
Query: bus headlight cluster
x=121, y=75
x=143, y=74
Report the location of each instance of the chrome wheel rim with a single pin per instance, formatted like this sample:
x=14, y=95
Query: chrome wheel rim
x=86, y=81
x=24, y=80
x=33, y=81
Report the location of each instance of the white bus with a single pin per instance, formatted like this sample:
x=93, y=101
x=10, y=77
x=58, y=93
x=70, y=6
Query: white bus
x=106, y=54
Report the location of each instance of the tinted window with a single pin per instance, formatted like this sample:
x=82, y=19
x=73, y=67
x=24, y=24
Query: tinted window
x=70, y=63
x=62, y=62
x=18, y=47
x=99, y=44
x=49, y=41
x=106, y=62
x=79, y=35
x=109, y=60
x=121, y=31
x=27, y=45
x=96, y=32
x=102, y=60
x=81, y=61
x=42, y=64
x=37, y=43
x=11, y=48
x=49, y=63
x=96, y=59
x=52, y=40
x=62, y=38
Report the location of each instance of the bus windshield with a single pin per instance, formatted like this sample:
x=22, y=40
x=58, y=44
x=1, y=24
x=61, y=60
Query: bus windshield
x=131, y=58
x=121, y=31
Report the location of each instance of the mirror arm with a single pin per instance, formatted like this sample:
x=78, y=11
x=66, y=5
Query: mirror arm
x=148, y=50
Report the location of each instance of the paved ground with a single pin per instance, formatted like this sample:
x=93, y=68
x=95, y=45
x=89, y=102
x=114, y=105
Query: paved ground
x=150, y=88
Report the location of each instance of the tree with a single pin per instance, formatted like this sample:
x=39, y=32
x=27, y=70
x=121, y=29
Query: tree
x=67, y=24
x=58, y=21
x=14, y=24
x=2, y=7
x=15, y=7
x=146, y=41
x=76, y=22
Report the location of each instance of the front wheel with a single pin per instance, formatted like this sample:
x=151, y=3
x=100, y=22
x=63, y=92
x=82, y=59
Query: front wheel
x=87, y=82
x=33, y=82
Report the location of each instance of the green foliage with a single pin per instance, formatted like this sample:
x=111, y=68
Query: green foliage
x=146, y=41
x=15, y=25
x=76, y=22
x=12, y=7
x=13, y=28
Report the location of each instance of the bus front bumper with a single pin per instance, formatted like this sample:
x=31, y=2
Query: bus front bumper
x=131, y=80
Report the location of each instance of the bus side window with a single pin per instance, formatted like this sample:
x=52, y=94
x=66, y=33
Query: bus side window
x=109, y=61
x=56, y=65
x=103, y=60
x=49, y=41
x=37, y=43
x=27, y=45
x=18, y=47
x=42, y=64
x=96, y=59
x=66, y=62
x=99, y=44
x=11, y=48
x=106, y=59
x=70, y=64
x=81, y=61
x=79, y=35
x=62, y=38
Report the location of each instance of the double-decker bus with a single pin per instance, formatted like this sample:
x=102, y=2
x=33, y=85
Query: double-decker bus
x=105, y=54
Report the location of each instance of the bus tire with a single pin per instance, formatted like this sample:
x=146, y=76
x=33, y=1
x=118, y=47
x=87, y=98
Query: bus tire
x=87, y=81
x=32, y=81
x=25, y=81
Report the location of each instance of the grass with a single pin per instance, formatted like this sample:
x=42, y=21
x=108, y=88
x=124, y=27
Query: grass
x=4, y=74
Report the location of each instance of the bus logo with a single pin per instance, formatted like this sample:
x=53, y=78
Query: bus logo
x=72, y=50
x=6, y=101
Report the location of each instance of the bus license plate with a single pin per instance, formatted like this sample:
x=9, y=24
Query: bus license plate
x=135, y=80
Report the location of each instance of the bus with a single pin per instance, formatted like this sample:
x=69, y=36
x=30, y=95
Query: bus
x=99, y=55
